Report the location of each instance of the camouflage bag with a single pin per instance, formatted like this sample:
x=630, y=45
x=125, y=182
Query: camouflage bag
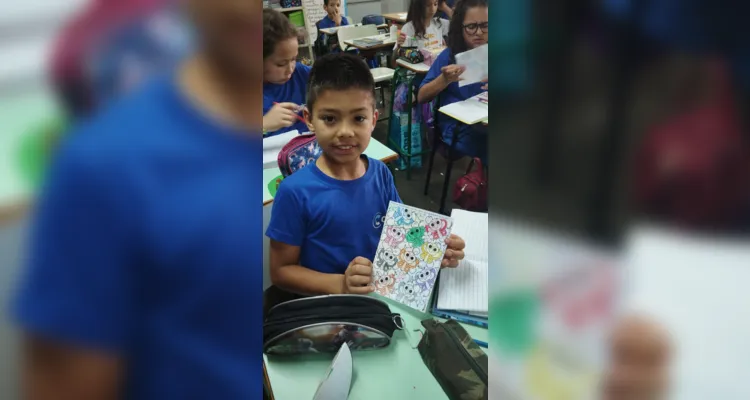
x=456, y=362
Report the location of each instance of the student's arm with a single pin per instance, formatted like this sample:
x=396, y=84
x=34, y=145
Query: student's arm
x=287, y=274
x=74, y=304
x=444, y=7
x=407, y=31
x=438, y=79
x=287, y=231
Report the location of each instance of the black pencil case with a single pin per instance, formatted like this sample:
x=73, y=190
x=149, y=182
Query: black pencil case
x=321, y=324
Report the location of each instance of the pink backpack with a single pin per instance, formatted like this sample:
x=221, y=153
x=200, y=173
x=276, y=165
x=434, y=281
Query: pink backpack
x=300, y=152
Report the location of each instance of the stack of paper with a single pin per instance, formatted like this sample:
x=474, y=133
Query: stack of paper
x=273, y=145
x=464, y=288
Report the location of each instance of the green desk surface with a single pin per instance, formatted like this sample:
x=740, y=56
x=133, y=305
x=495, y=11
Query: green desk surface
x=375, y=150
x=23, y=120
x=396, y=372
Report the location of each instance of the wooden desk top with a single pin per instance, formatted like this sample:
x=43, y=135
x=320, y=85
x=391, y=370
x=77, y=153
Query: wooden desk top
x=396, y=17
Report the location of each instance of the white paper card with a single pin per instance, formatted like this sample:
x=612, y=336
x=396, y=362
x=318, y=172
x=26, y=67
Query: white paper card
x=476, y=62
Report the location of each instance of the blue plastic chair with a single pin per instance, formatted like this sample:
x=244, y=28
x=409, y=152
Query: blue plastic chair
x=373, y=19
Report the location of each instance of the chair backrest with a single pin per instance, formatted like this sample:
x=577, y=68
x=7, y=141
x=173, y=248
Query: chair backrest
x=373, y=19
x=356, y=32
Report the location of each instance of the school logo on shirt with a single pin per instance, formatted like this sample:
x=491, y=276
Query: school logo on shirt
x=378, y=221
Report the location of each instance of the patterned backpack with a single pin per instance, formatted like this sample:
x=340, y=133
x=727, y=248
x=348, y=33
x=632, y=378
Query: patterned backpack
x=300, y=152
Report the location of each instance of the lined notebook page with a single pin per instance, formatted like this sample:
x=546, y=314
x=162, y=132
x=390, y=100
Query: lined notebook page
x=465, y=288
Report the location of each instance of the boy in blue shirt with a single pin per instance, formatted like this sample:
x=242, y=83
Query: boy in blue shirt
x=327, y=217
x=334, y=17
x=144, y=278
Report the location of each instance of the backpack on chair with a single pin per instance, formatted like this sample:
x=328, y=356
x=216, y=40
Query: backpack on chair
x=470, y=191
x=300, y=152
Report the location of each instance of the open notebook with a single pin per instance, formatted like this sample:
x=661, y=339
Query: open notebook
x=470, y=111
x=464, y=289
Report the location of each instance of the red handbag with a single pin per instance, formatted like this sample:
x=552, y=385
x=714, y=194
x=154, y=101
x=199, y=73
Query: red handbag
x=470, y=191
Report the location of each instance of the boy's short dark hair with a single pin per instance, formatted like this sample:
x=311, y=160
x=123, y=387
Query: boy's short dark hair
x=338, y=71
x=276, y=27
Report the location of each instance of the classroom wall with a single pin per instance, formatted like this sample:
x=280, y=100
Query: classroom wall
x=356, y=9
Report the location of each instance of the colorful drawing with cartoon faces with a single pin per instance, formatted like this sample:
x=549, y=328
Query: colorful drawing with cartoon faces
x=408, y=257
x=425, y=277
x=384, y=283
x=437, y=228
x=407, y=292
x=407, y=260
x=403, y=216
x=386, y=259
x=415, y=236
x=431, y=252
x=393, y=236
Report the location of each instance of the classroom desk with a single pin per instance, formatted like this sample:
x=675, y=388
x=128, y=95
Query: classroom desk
x=388, y=42
x=398, y=18
x=420, y=68
x=375, y=150
x=19, y=117
x=335, y=29
x=395, y=372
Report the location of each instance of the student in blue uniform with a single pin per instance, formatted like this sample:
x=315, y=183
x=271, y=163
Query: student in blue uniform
x=284, y=78
x=334, y=17
x=446, y=8
x=327, y=217
x=468, y=30
x=144, y=279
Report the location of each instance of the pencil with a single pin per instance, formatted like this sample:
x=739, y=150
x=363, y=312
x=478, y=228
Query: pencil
x=296, y=115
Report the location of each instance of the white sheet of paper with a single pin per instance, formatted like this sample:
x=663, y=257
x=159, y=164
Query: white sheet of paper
x=697, y=288
x=465, y=288
x=273, y=145
x=476, y=62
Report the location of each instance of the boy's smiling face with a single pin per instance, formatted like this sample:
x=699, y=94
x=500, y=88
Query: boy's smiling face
x=343, y=121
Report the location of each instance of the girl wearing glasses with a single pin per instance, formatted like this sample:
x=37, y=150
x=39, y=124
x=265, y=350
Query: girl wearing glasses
x=467, y=30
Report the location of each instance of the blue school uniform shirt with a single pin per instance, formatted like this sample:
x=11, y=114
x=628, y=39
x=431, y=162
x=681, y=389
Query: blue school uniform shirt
x=333, y=221
x=293, y=91
x=147, y=245
x=451, y=94
x=451, y=4
x=327, y=22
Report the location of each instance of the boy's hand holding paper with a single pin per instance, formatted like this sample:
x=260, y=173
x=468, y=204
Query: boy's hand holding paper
x=454, y=252
x=358, y=277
